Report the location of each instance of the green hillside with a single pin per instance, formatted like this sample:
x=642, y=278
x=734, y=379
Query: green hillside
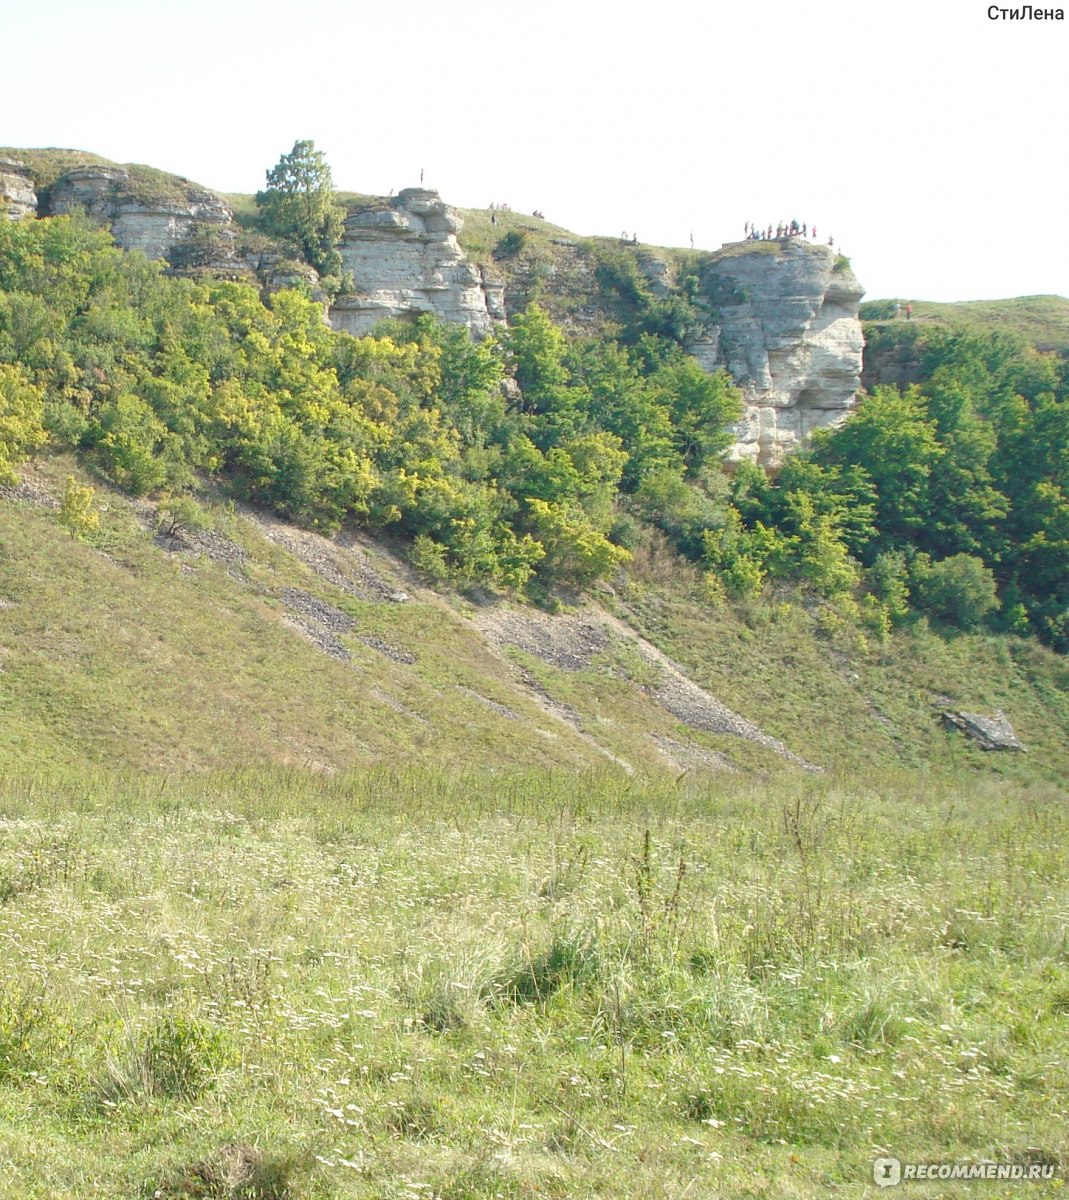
x=1041, y=320
x=251, y=641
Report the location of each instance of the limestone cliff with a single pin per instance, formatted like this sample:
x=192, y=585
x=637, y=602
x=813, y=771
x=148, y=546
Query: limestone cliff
x=784, y=323
x=781, y=317
x=18, y=199
x=140, y=218
x=404, y=258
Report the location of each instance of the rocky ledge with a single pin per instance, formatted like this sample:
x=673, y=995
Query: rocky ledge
x=786, y=327
x=17, y=196
x=404, y=258
x=139, y=220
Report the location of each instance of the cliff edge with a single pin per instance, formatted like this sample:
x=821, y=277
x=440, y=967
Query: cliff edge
x=781, y=316
x=785, y=325
x=405, y=259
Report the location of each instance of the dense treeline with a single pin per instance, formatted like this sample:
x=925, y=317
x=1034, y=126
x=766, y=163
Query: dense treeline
x=951, y=497
x=156, y=380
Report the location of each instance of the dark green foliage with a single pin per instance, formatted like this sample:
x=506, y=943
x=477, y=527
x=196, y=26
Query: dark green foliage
x=299, y=204
x=955, y=491
x=894, y=442
x=628, y=294
x=157, y=380
x=960, y=589
x=509, y=245
x=953, y=494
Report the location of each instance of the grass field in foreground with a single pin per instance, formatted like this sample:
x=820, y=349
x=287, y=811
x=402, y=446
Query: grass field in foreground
x=410, y=985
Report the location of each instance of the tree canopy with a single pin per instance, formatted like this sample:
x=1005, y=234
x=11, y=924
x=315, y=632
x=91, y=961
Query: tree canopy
x=949, y=498
x=300, y=205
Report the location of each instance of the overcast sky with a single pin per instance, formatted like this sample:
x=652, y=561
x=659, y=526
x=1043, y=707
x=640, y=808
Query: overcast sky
x=927, y=139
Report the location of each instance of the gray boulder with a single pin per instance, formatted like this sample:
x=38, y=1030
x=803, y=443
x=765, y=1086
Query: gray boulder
x=989, y=733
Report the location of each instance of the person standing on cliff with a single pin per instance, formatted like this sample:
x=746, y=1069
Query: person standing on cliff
x=909, y=312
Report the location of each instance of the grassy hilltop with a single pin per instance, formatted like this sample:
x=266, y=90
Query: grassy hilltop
x=1041, y=320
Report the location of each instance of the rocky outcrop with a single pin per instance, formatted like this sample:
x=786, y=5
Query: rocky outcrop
x=404, y=258
x=18, y=199
x=152, y=221
x=989, y=733
x=785, y=325
x=781, y=316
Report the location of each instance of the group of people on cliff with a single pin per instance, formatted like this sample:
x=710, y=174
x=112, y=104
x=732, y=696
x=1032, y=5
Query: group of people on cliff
x=781, y=230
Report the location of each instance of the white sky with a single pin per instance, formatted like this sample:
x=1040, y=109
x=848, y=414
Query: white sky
x=928, y=139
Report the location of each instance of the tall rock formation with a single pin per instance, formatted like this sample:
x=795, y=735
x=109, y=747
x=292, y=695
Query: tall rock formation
x=140, y=218
x=404, y=257
x=786, y=327
x=781, y=316
x=18, y=199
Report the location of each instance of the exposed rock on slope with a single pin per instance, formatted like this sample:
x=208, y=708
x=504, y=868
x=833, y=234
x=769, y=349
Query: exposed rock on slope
x=17, y=195
x=787, y=329
x=152, y=224
x=405, y=258
x=989, y=733
x=573, y=643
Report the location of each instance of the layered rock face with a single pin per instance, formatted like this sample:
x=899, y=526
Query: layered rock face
x=17, y=196
x=783, y=315
x=405, y=258
x=152, y=224
x=787, y=330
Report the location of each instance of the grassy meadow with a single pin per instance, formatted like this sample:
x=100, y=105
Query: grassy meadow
x=1041, y=320
x=414, y=985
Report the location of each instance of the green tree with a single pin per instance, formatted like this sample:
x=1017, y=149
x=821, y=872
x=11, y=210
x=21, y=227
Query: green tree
x=76, y=511
x=300, y=204
x=893, y=440
x=702, y=407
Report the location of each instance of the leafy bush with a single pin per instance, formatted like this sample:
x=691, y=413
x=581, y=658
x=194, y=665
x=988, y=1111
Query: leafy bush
x=959, y=589
x=21, y=413
x=76, y=511
x=510, y=244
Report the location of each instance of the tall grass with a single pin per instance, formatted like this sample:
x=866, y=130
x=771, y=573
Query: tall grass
x=417, y=984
